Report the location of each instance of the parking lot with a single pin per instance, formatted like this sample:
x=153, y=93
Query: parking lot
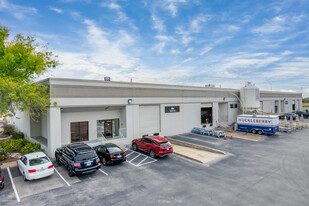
x=269, y=172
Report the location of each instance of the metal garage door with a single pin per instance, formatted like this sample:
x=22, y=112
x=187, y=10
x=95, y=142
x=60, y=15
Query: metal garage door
x=149, y=119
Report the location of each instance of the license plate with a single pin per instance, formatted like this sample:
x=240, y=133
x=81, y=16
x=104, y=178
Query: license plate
x=119, y=156
x=88, y=163
x=167, y=148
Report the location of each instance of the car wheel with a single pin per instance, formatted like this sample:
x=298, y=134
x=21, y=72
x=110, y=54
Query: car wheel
x=2, y=186
x=260, y=132
x=134, y=147
x=104, y=162
x=254, y=131
x=71, y=173
x=152, y=153
x=25, y=178
x=58, y=161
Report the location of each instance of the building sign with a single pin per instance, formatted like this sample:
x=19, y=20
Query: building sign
x=257, y=94
x=255, y=121
x=172, y=109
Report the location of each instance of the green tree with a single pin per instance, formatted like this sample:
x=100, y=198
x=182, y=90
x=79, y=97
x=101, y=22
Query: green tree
x=22, y=60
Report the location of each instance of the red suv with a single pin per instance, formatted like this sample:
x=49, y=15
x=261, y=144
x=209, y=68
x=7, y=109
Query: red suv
x=155, y=146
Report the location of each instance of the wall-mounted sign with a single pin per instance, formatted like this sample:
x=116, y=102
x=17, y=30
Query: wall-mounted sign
x=286, y=102
x=172, y=109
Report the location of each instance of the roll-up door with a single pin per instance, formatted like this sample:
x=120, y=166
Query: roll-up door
x=149, y=119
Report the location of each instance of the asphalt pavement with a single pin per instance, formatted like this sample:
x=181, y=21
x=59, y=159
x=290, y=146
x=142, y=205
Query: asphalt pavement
x=273, y=171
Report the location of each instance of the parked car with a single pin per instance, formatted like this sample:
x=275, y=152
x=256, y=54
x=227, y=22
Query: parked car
x=207, y=131
x=155, y=146
x=288, y=116
x=1, y=179
x=35, y=166
x=197, y=130
x=78, y=158
x=218, y=133
x=299, y=113
x=110, y=153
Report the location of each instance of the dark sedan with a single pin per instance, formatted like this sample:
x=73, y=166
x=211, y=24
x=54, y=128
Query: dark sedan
x=288, y=116
x=299, y=113
x=110, y=153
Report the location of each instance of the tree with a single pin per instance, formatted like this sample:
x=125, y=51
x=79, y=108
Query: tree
x=22, y=60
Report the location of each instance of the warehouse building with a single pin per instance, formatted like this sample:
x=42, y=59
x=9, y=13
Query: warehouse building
x=100, y=111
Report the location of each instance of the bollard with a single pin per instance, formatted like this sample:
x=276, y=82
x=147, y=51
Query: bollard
x=224, y=138
x=231, y=137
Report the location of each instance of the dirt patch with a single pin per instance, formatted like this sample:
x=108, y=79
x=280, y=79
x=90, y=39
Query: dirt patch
x=243, y=135
x=9, y=163
x=196, y=154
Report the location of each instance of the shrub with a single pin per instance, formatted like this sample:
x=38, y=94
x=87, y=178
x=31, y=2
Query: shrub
x=12, y=145
x=18, y=135
x=4, y=154
x=8, y=129
x=31, y=147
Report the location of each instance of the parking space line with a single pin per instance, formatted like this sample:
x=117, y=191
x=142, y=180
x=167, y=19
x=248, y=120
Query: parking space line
x=103, y=172
x=146, y=163
x=142, y=161
x=129, y=153
x=13, y=185
x=62, y=177
x=134, y=158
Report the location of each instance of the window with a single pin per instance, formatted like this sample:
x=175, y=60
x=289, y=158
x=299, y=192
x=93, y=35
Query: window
x=79, y=131
x=114, y=149
x=206, y=115
x=108, y=128
x=233, y=106
x=38, y=161
x=68, y=152
x=24, y=160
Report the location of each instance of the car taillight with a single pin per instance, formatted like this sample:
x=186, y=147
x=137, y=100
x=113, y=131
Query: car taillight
x=0, y=179
x=97, y=160
x=124, y=154
x=50, y=166
x=112, y=156
x=76, y=164
x=30, y=171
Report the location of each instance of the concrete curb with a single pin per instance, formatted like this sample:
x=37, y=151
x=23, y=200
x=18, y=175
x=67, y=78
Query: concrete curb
x=195, y=146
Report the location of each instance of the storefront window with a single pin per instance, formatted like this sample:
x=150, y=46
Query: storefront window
x=108, y=128
x=206, y=115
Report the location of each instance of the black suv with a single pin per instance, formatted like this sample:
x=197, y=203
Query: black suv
x=78, y=158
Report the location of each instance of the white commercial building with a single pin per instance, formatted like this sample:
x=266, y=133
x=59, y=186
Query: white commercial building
x=98, y=111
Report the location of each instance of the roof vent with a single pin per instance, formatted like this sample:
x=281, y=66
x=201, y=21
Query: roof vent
x=108, y=79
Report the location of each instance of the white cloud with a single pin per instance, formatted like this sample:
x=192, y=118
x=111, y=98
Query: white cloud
x=205, y=50
x=159, y=47
x=277, y=24
x=195, y=24
x=174, y=51
x=189, y=50
x=233, y=28
x=187, y=60
x=164, y=38
x=287, y=52
x=172, y=6
x=59, y=11
x=19, y=12
x=111, y=5
x=158, y=23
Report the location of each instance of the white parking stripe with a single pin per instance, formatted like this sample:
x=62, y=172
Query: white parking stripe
x=134, y=158
x=62, y=177
x=142, y=161
x=129, y=154
x=13, y=185
x=103, y=172
x=146, y=163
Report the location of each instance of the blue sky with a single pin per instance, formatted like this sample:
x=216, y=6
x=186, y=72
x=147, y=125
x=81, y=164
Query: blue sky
x=187, y=42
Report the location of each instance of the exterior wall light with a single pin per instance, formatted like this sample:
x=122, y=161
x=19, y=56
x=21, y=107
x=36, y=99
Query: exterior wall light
x=130, y=101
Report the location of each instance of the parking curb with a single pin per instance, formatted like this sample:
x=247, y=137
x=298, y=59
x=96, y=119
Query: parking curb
x=195, y=146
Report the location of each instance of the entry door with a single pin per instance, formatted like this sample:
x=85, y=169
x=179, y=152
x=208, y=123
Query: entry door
x=108, y=129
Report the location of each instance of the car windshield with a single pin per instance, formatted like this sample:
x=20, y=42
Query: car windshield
x=86, y=156
x=38, y=161
x=164, y=143
x=114, y=149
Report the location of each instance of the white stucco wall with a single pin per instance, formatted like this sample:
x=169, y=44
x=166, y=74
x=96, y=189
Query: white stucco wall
x=90, y=116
